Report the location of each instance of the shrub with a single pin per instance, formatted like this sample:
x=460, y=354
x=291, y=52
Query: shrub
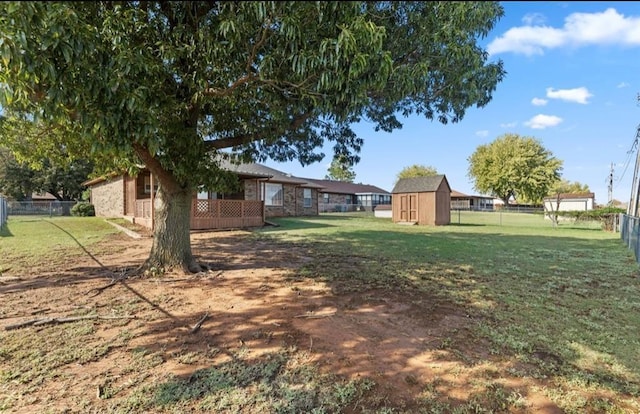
x=83, y=210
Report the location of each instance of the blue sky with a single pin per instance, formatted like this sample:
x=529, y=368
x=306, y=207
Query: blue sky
x=573, y=77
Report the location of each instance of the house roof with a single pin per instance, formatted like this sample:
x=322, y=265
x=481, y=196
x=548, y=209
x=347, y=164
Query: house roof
x=245, y=169
x=568, y=196
x=259, y=170
x=342, y=187
x=458, y=194
x=420, y=184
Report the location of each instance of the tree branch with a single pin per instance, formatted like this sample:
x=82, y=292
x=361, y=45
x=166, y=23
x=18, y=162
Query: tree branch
x=247, y=138
x=169, y=183
x=218, y=93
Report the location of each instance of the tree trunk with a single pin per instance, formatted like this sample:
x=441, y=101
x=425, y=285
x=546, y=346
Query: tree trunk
x=171, y=234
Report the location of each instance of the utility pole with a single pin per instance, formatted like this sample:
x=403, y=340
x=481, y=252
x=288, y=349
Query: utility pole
x=610, y=203
x=632, y=210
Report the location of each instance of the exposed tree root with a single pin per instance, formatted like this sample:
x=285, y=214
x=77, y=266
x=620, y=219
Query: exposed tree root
x=48, y=321
x=113, y=282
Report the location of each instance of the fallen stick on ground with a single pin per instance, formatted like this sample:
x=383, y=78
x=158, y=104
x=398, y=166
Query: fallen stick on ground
x=197, y=326
x=112, y=283
x=318, y=316
x=47, y=321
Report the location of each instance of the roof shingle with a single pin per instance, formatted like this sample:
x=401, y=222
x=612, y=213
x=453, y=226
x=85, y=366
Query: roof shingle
x=419, y=184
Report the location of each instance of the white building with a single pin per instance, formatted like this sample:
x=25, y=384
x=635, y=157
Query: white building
x=569, y=202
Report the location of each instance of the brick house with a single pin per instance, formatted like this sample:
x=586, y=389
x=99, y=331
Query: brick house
x=265, y=192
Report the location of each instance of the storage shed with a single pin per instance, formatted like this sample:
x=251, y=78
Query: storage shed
x=422, y=200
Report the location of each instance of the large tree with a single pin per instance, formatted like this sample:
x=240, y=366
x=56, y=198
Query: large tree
x=180, y=84
x=341, y=169
x=416, y=170
x=514, y=166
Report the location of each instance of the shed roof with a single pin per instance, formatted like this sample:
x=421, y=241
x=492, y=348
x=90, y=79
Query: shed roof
x=429, y=183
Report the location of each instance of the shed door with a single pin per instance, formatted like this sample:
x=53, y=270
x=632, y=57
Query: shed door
x=413, y=207
x=408, y=207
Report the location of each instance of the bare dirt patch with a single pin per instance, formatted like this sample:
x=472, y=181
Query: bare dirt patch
x=253, y=301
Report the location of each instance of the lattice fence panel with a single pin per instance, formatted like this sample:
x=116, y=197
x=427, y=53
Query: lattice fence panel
x=253, y=209
x=205, y=208
x=230, y=208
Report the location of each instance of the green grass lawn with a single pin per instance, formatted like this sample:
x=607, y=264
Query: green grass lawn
x=566, y=299
x=563, y=303
x=32, y=240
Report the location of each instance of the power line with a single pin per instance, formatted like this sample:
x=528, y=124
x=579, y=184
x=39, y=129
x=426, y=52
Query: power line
x=629, y=155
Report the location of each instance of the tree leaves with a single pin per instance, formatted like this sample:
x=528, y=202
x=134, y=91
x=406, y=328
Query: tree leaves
x=514, y=166
x=416, y=170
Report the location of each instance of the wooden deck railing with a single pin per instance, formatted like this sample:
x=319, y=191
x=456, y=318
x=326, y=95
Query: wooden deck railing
x=212, y=214
x=226, y=214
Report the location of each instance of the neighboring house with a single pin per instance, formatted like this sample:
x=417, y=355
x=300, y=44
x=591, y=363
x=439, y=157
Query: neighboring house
x=345, y=196
x=43, y=196
x=460, y=201
x=422, y=200
x=569, y=202
x=265, y=192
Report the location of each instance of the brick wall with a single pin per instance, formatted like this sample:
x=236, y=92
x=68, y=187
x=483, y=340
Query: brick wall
x=107, y=198
x=251, y=190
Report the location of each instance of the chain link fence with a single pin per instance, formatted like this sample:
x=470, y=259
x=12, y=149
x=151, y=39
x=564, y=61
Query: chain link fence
x=40, y=208
x=3, y=212
x=629, y=229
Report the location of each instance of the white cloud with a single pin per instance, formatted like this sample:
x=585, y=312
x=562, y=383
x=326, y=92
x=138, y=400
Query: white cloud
x=508, y=125
x=542, y=121
x=539, y=101
x=623, y=85
x=578, y=95
x=580, y=29
x=531, y=19
x=483, y=133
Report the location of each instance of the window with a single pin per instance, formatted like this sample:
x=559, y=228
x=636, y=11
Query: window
x=272, y=194
x=147, y=185
x=306, y=193
x=326, y=197
x=206, y=195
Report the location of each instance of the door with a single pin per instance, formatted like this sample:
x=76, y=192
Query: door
x=404, y=209
x=413, y=207
x=408, y=207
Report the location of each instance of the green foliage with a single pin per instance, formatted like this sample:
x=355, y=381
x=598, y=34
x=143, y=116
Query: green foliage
x=605, y=215
x=16, y=179
x=568, y=187
x=416, y=170
x=514, y=166
x=83, y=210
x=19, y=180
x=341, y=169
x=177, y=80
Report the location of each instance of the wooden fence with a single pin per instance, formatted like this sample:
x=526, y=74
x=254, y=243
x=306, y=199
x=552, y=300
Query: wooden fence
x=213, y=214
